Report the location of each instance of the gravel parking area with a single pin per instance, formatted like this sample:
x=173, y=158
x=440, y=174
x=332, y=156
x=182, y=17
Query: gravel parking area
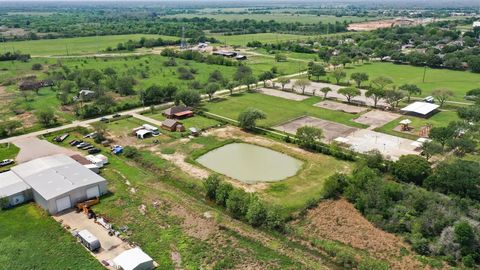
x=337, y=106
x=282, y=94
x=331, y=130
x=32, y=148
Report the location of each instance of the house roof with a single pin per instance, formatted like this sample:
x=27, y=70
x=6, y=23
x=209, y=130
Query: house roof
x=176, y=109
x=11, y=184
x=180, y=114
x=130, y=259
x=55, y=175
x=422, y=108
x=170, y=122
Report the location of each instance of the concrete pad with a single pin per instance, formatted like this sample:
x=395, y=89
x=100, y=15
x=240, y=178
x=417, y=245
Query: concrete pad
x=391, y=147
x=376, y=118
x=282, y=94
x=331, y=130
x=342, y=107
x=33, y=147
x=112, y=246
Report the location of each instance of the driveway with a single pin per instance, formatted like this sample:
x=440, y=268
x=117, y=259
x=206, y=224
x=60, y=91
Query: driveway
x=33, y=147
x=112, y=246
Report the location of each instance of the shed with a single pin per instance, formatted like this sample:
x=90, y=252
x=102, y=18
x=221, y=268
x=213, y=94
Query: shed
x=97, y=160
x=13, y=188
x=424, y=109
x=58, y=182
x=170, y=124
x=133, y=259
x=151, y=128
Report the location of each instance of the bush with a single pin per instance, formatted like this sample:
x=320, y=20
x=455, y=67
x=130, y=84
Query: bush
x=256, y=213
x=237, y=203
x=411, y=168
x=211, y=185
x=334, y=186
x=222, y=193
x=37, y=66
x=131, y=152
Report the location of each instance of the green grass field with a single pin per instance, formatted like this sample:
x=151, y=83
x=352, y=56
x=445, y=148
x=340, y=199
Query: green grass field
x=8, y=151
x=278, y=110
x=457, y=81
x=279, y=17
x=30, y=239
x=242, y=40
x=72, y=46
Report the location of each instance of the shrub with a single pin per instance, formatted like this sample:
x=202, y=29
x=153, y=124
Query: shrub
x=222, y=193
x=411, y=168
x=237, y=203
x=333, y=186
x=256, y=213
x=211, y=185
x=37, y=66
x=131, y=152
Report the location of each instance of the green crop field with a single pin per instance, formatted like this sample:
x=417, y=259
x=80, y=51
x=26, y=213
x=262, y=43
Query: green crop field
x=278, y=110
x=29, y=239
x=279, y=17
x=457, y=81
x=72, y=46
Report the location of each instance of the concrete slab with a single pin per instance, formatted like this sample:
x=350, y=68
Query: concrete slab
x=342, y=107
x=376, y=118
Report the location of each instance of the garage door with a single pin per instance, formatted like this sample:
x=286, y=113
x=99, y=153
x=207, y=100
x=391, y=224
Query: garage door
x=63, y=203
x=93, y=192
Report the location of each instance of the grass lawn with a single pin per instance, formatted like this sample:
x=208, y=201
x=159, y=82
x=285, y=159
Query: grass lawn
x=440, y=119
x=278, y=110
x=8, y=151
x=72, y=46
x=457, y=81
x=197, y=121
x=30, y=239
x=242, y=40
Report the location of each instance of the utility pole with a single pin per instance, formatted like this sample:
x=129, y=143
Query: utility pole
x=424, y=72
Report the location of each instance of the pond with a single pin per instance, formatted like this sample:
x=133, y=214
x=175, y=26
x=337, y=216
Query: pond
x=250, y=163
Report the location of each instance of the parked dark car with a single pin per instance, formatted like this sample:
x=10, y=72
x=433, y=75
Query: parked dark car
x=94, y=151
x=104, y=119
x=116, y=115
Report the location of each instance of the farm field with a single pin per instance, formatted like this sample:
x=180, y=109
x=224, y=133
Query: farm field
x=30, y=239
x=457, y=81
x=72, y=46
x=279, y=17
x=242, y=40
x=278, y=110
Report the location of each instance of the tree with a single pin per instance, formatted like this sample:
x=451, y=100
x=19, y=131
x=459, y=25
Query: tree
x=442, y=95
x=190, y=98
x=8, y=127
x=442, y=134
x=231, y=85
x=381, y=82
x=257, y=212
x=411, y=89
x=242, y=72
x=464, y=234
x=216, y=77
x=125, y=86
x=302, y=83
x=393, y=97
x=222, y=193
x=474, y=64
x=283, y=81
x=248, y=81
x=47, y=117
x=376, y=94
x=265, y=76
x=211, y=185
x=349, y=93
x=248, y=118
x=325, y=91
x=211, y=88
x=37, y=66
x=359, y=77
x=237, y=203
x=430, y=149
x=317, y=70
x=339, y=74
x=308, y=136
x=411, y=169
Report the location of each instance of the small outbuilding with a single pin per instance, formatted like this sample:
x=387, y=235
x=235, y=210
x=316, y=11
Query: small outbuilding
x=151, y=128
x=170, y=124
x=133, y=259
x=423, y=109
x=143, y=133
x=14, y=189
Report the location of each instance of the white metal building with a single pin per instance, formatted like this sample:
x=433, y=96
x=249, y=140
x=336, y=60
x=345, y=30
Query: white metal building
x=421, y=108
x=58, y=182
x=133, y=259
x=14, y=189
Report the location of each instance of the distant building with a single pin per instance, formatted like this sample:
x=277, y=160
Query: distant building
x=179, y=111
x=476, y=24
x=225, y=53
x=170, y=124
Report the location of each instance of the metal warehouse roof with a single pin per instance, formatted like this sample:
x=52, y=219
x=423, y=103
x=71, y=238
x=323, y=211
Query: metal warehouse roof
x=55, y=175
x=422, y=108
x=11, y=184
x=132, y=258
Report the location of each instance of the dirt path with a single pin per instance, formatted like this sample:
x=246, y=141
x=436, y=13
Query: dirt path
x=179, y=161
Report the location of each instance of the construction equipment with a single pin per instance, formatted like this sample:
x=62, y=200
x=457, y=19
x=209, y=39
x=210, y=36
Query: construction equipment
x=85, y=207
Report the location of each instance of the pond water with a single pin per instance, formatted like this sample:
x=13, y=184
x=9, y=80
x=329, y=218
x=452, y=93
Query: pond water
x=250, y=163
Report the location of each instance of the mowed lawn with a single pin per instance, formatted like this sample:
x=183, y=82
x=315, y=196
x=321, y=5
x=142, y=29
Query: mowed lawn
x=457, y=81
x=441, y=119
x=30, y=239
x=8, y=151
x=72, y=46
x=278, y=110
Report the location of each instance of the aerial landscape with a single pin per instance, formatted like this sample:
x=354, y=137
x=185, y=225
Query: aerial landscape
x=222, y=134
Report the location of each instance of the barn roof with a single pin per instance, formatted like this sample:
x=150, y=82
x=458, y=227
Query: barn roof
x=423, y=108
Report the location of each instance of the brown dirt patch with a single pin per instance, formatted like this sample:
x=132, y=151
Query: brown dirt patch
x=195, y=225
x=337, y=106
x=338, y=220
x=28, y=119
